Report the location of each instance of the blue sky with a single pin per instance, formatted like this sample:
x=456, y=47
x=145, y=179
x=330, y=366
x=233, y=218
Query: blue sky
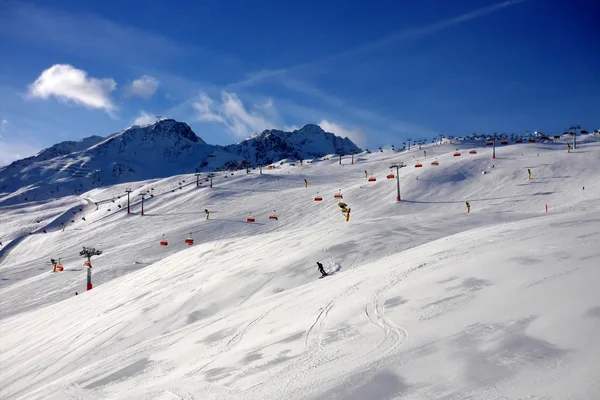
x=377, y=72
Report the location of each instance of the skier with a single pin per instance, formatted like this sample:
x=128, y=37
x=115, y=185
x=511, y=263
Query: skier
x=468, y=206
x=343, y=207
x=305, y=183
x=321, y=270
x=206, y=212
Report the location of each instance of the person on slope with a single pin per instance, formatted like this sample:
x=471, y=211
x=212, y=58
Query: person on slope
x=321, y=270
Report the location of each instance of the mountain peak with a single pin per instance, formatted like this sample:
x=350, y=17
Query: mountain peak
x=166, y=126
x=311, y=129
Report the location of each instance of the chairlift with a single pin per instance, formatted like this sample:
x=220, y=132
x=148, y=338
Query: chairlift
x=338, y=195
x=189, y=240
x=250, y=218
x=318, y=198
x=418, y=165
x=274, y=216
x=163, y=242
x=59, y=266
x=473, y=151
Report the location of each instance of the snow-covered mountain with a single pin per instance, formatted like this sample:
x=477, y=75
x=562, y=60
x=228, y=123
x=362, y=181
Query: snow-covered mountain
x=164, y=148
x=273, y=145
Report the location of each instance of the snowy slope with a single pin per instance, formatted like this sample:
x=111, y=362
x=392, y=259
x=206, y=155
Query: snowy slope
x=164, y=148
x=425, y=300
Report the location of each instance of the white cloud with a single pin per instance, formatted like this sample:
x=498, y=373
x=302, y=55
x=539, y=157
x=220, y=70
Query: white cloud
x=144, y=87
x=356, y=135
x=291, y=128
x=205, y=106
x=232, y=113
x=68, y=83
x=144, y=119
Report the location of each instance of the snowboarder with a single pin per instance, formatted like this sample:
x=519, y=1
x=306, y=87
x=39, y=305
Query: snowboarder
x=528, y=173
x=305, y=183
x=468, y=206
x=206, y=212
x=343, y=207
x=321, y=270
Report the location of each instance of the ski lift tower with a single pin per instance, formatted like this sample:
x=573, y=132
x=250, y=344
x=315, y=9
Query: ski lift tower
x=574, y=133
x=128, y=191
x=143, y=194
x=398, y=166
x=88, y=252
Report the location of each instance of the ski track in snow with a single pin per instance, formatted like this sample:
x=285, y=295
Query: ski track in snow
x=394, y=336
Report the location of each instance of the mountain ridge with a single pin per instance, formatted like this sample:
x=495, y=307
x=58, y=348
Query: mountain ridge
x=164, y=148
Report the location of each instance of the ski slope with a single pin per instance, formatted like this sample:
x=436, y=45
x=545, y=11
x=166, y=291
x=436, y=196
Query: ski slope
x=424, y=301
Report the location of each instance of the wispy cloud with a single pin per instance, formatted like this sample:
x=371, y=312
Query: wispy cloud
x=395, y=37
x=94, y=36
x=289, y=77
x=144, y=87
x=356, y=135
x=144, y=118
x=70, y=84
x=368, y=117
x=231, y=112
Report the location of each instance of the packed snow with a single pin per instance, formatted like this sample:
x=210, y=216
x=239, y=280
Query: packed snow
x=424, y=300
